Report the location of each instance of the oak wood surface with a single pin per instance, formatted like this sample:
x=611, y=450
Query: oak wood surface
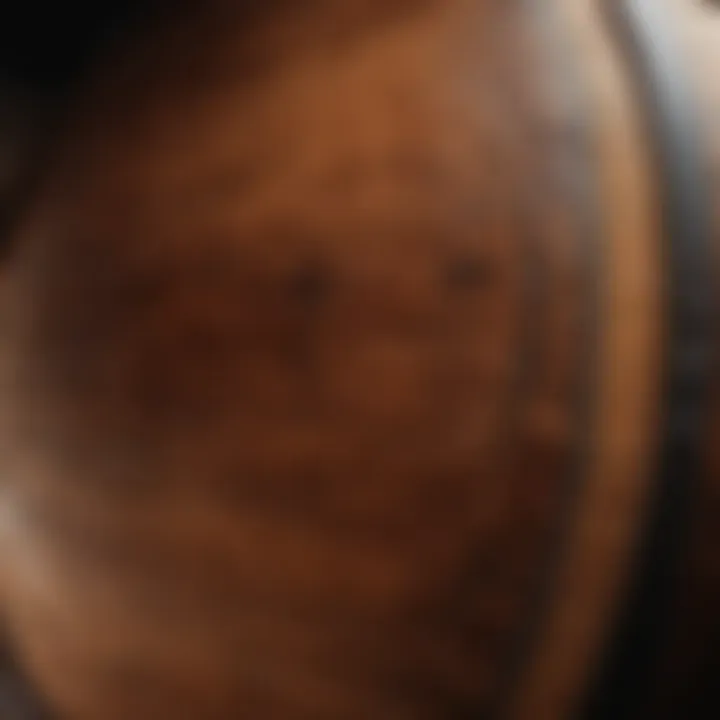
x=329, y=369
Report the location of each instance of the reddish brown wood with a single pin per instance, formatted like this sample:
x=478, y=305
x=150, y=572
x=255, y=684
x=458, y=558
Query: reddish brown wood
x=296, y=334
x=329, y=368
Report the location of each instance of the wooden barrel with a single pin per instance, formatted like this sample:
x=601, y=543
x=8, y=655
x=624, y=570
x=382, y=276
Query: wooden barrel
x=357, y=362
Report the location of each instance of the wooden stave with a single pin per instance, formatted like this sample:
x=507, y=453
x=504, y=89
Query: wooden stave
x=521, y=565
x=625, y=545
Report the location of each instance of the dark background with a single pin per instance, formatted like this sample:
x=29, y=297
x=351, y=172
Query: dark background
x=48, y=46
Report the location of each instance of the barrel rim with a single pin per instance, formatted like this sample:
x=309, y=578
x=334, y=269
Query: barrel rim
x=649, y=50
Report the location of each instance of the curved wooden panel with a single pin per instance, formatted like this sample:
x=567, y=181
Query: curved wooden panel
x=332, y=373
x=300, y=357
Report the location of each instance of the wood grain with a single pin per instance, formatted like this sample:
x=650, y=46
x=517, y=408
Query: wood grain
x=330, y=356
x=609, y=513
x=295, y=335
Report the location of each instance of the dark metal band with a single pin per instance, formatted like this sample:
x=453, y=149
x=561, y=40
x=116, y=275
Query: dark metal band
x=642, y=30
